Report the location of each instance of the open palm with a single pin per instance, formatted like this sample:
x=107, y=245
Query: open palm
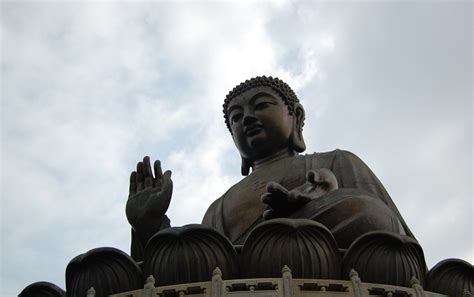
x=149, y=196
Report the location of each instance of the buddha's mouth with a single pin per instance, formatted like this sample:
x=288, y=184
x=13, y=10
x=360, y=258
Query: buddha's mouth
x=253, y=130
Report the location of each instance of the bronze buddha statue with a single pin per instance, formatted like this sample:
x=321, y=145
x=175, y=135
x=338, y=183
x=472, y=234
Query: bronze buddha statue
x=265, y=119
x=324, y=215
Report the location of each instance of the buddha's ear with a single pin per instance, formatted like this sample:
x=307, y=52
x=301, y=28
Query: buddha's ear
x=245, y=167
x=296, y=139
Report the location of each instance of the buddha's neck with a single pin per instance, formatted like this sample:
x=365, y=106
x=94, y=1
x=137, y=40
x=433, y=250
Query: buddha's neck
x=278, y=155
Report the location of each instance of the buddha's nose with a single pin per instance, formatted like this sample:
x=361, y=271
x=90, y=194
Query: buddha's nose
x=249, y=118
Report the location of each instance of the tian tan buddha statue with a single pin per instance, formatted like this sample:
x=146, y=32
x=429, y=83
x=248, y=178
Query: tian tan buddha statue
x=322, y=218
x=325, y=215
x=265, y=120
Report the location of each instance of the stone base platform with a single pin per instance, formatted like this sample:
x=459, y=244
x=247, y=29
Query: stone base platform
x=285, y=286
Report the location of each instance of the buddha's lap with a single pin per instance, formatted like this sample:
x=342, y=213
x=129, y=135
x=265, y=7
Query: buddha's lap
x=350, y=213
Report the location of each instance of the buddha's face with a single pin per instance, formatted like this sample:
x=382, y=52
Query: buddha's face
x=260, y=123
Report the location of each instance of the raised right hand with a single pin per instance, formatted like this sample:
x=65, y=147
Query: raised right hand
x=149, y=197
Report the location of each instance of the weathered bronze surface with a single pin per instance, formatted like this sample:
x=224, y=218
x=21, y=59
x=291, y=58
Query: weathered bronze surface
x=189, y=254
x=42, y=289
x=107, y=270
x=306, y=246
x=385, y=258
x=266, y=121
x=453, y=277
x=336, y=189
x=322, y=215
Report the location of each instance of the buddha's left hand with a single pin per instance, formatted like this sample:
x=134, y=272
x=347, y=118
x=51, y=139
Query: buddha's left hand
x=282, y=202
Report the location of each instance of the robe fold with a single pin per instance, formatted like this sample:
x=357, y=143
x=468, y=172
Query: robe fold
x=360, y=205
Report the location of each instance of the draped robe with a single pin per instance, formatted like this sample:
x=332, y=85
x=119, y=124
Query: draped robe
x=360, y=205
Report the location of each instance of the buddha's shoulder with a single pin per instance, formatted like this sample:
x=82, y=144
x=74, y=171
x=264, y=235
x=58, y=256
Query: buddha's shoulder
x=331, y=156
x=210, y=217
x=211, y=214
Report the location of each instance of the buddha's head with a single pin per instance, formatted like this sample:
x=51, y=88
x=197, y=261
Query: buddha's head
x=264, y=117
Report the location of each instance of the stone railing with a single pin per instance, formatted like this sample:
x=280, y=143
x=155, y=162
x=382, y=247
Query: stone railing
x=285, y=286
x=183, y=259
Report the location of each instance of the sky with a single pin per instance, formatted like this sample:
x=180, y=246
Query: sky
x=87, y=90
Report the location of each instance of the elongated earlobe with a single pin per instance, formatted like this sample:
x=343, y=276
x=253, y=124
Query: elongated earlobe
x=297, y=140
x=245, y=167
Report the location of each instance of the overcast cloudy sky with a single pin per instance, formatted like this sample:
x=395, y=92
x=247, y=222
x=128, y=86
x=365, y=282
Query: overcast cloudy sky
x=87, y=90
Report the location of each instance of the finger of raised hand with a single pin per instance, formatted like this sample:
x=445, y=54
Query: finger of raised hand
x=167, y=182
x=157, y=167
x=167, y=189
x=147, y=167
x=140, y=182
x=147, y=174
x=158, y=180
x=133, y=183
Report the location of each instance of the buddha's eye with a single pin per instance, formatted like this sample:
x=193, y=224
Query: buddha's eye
x=236, y=117
x=262, y=105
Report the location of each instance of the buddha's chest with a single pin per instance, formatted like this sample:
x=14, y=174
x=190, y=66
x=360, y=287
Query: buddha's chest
x=242, y=204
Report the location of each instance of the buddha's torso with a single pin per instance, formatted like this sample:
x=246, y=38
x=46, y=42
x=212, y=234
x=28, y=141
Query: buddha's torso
x=242, y=206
